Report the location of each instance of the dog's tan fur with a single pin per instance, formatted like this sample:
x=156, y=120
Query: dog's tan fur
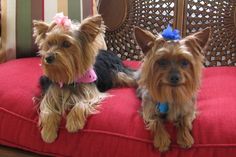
x=154, y=83
x=75, y=50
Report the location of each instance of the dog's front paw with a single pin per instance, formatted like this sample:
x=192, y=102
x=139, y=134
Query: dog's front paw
x=75, y=120
x=74, y=124
x=185, y=139
x=162, y=142
x=48, y=136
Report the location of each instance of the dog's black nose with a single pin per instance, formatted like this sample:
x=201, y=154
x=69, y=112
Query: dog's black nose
x=50, y=58
x=174, y=78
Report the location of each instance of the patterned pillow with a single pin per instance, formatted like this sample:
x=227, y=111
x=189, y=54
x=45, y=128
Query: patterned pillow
x=17, y=16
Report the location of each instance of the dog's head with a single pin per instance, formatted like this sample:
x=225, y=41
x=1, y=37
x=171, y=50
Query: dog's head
x=68, y=49
x=171, y=69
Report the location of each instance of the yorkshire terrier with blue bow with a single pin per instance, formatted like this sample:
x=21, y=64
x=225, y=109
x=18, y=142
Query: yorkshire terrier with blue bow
x=76, y=72
x=168, y=80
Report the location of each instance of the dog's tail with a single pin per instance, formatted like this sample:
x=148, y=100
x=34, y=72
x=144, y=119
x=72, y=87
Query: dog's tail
x=124, y=78
x=112, y=72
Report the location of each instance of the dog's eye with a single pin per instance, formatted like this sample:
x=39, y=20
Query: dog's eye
x=184, y=63
x=66, y=44
x=163, y=62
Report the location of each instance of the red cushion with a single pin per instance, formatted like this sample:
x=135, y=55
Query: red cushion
x=118, y=130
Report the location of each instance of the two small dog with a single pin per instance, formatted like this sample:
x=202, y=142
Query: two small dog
x=76, y=74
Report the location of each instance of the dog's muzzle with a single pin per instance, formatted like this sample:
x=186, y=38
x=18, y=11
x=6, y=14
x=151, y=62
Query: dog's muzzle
x=174, y=78
x=49, y=58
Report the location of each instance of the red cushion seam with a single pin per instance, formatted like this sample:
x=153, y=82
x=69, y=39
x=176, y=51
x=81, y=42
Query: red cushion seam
x=17, y=115
x=117, y=134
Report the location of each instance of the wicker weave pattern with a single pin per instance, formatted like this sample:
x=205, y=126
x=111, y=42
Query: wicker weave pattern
x=142, y=13
x=187, y=15
x=220, y=15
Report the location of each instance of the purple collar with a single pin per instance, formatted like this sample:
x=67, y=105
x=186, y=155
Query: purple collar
x=89, y=77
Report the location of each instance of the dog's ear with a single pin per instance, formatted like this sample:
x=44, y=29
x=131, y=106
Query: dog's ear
x=200, y=38
x=145, y=39
x=92, y=26
x=40, y=30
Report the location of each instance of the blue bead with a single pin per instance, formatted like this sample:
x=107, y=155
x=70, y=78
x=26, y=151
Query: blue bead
x=162, y=107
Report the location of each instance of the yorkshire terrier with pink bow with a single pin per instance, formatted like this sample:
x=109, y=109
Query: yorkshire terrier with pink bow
x=76, y=72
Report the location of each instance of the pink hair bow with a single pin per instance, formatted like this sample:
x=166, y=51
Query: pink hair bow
x=62, y=20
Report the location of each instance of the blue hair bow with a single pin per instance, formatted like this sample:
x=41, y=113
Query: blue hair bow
x=170, y=34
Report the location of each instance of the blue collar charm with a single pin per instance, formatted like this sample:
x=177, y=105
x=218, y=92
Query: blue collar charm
x=170, y=34
x=162, y=107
